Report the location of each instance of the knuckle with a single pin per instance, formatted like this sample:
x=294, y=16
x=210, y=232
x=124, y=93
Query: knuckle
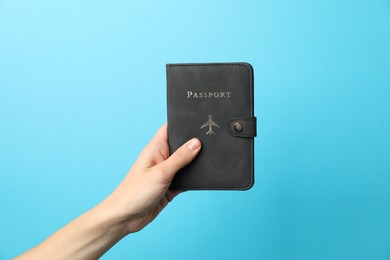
x=164, y=175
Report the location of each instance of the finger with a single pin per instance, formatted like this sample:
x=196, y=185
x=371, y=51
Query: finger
x=156, y=149
x=180, y=158
x=161, y=134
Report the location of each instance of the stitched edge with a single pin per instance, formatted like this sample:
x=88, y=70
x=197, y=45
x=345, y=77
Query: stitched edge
x=251, y=143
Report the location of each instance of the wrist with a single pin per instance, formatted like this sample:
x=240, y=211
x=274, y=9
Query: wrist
x=116, y=216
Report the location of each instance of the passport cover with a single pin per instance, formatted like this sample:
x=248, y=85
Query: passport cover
x=213, y=102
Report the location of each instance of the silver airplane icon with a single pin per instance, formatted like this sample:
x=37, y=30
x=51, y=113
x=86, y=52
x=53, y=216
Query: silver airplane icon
x=210, y=123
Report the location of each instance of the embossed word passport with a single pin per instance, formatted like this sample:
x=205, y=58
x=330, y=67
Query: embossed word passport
x=213, y=102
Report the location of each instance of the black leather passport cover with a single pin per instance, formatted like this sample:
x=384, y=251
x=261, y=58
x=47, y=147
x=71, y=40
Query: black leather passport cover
x=213, y=102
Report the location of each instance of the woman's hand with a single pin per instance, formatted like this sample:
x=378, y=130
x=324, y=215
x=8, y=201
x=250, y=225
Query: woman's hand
x=135, y=203
x=144, y=192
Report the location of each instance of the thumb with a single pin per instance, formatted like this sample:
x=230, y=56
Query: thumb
x=181, y=157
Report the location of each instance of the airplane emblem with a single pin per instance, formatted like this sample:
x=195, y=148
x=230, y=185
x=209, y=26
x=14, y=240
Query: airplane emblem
x=210, y=123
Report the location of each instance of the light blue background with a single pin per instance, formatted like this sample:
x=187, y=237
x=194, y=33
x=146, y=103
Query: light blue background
x=82, y=90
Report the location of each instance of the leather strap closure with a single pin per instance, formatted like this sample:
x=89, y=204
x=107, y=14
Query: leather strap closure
x=242, y=126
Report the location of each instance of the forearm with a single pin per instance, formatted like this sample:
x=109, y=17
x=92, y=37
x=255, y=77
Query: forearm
x=87, y=237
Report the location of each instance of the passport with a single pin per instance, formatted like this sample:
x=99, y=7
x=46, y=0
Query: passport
x=213, y=102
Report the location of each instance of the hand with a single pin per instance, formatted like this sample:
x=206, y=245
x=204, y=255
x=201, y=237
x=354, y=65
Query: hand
x=144, y=192
x=135, y=203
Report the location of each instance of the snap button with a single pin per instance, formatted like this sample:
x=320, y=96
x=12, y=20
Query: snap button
x=244, y=127
x=238, y=127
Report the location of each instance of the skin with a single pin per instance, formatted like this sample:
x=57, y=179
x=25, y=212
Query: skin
x=137, y=201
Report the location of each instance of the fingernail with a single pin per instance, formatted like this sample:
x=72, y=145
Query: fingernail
x=193, y=144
